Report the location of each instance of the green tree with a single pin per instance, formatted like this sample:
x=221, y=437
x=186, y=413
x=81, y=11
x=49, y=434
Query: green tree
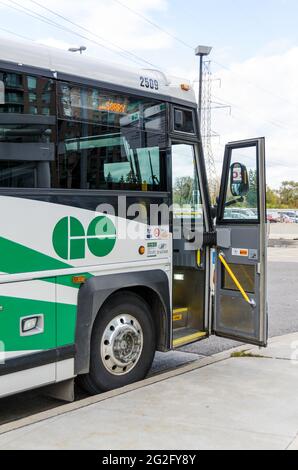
x=289, y=194
x=183, y=190
x=252, y=196
x=273, y=199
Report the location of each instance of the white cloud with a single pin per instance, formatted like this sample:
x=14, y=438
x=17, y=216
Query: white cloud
x=51, y=42
x=264, y=95
x=109, y=20
x=263, y=90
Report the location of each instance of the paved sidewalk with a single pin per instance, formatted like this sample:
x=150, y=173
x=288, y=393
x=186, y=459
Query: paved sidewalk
x=219, y=403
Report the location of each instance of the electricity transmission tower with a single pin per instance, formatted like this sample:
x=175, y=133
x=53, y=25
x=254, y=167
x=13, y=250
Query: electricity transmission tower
x=206, y=129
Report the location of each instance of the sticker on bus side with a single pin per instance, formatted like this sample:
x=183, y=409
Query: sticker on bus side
x=152, y=250
x=162, y=248
x=158, y=233
x=243, y=252
x=253, y=255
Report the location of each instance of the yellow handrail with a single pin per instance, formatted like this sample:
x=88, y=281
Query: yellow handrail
x=235, y=280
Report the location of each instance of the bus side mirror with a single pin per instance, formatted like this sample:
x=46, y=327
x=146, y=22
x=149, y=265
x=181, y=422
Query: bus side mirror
x=239, y=180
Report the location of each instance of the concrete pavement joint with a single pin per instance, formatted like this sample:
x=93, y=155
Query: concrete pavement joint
x=292, y=442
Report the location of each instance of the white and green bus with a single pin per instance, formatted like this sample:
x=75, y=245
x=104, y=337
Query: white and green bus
x=106, y=225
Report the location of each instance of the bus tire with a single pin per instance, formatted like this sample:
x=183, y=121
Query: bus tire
x=123, y=344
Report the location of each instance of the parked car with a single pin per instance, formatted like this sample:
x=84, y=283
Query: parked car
x=235, y=214
x=286, y=219
x=273, y=218
x=250, y=214
x=291, y=214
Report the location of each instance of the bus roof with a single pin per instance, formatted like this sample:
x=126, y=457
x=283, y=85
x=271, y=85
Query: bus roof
x=51, y=59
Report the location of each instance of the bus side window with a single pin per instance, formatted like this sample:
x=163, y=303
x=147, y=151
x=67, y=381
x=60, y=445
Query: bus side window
x=110, y=141
x=27, y=130
x=2, y=92
x=93, y=157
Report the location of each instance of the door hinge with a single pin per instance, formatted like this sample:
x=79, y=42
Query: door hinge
x=210, y=239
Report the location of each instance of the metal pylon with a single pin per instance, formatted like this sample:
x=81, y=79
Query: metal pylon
x=207, y=131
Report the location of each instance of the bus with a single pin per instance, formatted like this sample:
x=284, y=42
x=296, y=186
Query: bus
x=107, y=230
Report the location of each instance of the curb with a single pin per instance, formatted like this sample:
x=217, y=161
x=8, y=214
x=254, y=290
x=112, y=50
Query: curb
x=68, y=408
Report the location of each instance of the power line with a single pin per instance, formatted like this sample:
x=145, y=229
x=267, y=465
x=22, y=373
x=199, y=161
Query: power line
x=16, y=34
x=131, y=55
x=24, y=12
x=264, y=90
x=247, y=112
x=135, y=56
x=184, y=43
x=152, y=23
x=50, y=22
x=35, y=15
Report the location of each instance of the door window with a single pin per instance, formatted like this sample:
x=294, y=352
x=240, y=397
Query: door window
x=241, y=196
x=186, y=192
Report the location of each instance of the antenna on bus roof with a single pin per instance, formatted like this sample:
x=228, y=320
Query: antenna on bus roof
x=80, y=49
x=167, y=81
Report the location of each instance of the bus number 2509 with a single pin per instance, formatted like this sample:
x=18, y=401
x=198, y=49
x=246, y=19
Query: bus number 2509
x=146, y=82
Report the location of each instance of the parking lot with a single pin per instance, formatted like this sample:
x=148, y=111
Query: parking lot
x=283, y=308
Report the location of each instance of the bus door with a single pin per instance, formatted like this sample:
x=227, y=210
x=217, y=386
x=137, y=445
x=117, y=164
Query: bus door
x=240, y=289
x=189, y=260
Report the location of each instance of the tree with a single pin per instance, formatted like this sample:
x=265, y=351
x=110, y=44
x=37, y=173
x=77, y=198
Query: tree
x=289, y=194
x=252, y=196
x=183, y=190
x=273, y=199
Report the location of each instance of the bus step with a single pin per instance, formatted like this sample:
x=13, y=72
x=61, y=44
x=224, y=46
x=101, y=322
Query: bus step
x=185, y=336
x=180, y=317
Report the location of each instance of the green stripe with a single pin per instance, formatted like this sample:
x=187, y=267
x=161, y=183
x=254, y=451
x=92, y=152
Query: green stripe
x=16, y=259
x=19, y=259
x=59, y=327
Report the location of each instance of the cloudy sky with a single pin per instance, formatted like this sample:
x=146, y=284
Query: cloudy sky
x=255, y=55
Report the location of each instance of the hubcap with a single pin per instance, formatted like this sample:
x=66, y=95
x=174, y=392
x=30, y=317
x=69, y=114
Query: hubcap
x=122, y=344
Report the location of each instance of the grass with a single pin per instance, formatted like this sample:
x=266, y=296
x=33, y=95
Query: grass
x=247, y=354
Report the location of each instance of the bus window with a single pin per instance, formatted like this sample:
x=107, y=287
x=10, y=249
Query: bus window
x=25, y=94
x=26, y=151
x=242, y=205
x=98, y=157
x=186, y=194
x=184, y=121
x=110, y=108
x=2, y=92
x=14, y=174
x=27, y=130
x=110, y=140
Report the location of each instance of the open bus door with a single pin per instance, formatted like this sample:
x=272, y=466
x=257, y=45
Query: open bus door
x=240, y=308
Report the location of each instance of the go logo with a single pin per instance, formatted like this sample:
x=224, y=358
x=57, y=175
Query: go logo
x=70, y=240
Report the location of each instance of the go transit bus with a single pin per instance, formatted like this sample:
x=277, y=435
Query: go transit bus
x=106, y=224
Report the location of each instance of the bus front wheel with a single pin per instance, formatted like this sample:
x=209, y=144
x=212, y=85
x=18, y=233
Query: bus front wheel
x=122, y=344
